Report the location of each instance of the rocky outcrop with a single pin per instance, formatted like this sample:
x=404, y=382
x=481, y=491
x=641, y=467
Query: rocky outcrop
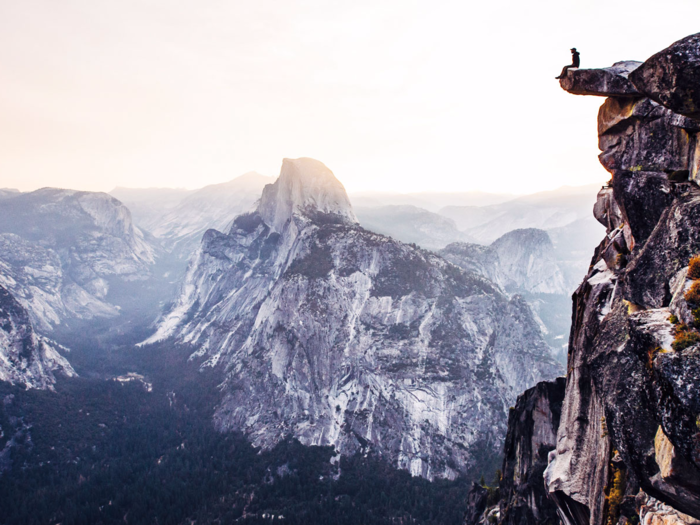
x=521, y=497
x=532, y=431
x=27, y=358
x=628, y=441
x=340, y=336
x=605, y=82
x=62, y=251
x=477, y=500
x=672, y=77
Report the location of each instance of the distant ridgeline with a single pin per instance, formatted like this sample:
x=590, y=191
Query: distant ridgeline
x=626, y=441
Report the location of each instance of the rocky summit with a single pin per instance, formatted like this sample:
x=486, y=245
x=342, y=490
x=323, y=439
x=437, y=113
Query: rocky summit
x=339, y=336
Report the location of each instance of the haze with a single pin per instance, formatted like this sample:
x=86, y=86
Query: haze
x=391, y=95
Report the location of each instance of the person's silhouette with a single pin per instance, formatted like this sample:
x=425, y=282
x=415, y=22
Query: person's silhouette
x=575, y=62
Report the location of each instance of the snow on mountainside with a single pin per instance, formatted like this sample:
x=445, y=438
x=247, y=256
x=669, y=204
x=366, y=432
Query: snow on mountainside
x=26, y=358
x=337, y=335
x=63, y=250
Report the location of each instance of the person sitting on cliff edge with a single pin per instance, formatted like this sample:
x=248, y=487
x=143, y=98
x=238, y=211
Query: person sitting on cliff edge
x=575, y=62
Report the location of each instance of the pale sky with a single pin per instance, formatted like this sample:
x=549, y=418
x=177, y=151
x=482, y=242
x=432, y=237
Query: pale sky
x=393, y=95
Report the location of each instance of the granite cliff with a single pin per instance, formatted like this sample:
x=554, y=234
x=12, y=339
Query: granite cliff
x=27, y=358
x=339, y=336
x=629, y=425
x=519, y=496
x=63, y=253
x=627, y=447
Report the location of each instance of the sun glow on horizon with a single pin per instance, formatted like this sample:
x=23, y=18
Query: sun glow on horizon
x=392, y=96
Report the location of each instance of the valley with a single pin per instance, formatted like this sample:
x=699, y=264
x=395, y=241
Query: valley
x=162, y=320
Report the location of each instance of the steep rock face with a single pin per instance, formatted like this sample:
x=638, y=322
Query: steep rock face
x=672, y=77
x=306, y=187
x=340, y=336
x=25, y=357
x=629, y=417
x=522, y=497
x=519, y=261
x=532, y=432
x=62, y=249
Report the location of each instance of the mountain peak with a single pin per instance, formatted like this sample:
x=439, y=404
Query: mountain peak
x=305, y=187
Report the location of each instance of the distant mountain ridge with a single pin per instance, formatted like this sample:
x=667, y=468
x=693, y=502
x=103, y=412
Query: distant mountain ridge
x=62, y=250
x=519, y=261
x=180, y=219
x=543, y=210
x=410, y=224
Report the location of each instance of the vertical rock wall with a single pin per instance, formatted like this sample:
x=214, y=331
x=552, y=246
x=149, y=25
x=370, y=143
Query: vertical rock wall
x=521, y=497
x=628, y=444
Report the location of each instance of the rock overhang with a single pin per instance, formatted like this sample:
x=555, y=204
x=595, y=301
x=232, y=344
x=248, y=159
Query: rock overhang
x=670, y=77
x=621, y=352
x=603, y=82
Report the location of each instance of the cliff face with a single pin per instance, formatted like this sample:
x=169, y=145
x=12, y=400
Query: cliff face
x=26, y=358
x=62, y=251
x=340, y=336
x=532, y=431
x=521, y=497
x=630, y=417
